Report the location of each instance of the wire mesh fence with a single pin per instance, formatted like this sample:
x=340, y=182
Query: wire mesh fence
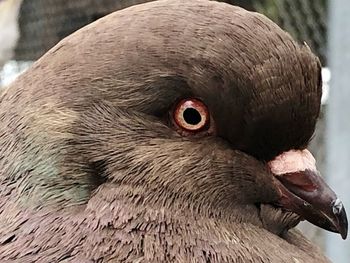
x=305, y=20
x=44, y=22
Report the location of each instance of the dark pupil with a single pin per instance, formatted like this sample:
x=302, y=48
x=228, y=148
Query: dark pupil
x=192, y=116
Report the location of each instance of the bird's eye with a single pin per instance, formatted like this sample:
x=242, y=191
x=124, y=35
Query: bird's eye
x=191, y=115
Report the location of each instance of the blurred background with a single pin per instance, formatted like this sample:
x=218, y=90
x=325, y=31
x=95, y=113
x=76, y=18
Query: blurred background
x=28, y=28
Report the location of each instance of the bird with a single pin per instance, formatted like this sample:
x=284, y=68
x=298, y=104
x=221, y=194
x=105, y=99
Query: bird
x=170, y=131
x=9, y=28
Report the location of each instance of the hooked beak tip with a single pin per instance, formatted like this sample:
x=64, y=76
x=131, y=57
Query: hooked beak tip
x=341, y=222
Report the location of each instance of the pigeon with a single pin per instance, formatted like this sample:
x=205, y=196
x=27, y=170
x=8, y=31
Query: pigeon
x=171, y=131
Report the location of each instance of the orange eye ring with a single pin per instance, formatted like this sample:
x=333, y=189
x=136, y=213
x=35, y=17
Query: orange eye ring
x=191, y=115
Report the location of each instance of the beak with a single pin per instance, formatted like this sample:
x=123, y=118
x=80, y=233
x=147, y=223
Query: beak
x=305, y=193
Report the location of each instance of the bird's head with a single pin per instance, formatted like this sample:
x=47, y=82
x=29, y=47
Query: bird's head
x=187, y=105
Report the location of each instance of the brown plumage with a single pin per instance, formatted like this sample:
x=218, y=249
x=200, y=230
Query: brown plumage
x=93, y=168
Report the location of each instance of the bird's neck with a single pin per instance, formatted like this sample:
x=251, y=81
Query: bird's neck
x=173, y=228
x=159, y=200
